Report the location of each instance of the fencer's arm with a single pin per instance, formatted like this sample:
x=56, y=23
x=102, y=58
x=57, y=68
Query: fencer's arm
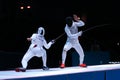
x=33, y=37
x=72, y=35
x=47, y=46
x=29, y=39
x=79, y=23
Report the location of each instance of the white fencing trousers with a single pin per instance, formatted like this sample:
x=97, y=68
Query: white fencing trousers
x=77, y=47
x=34, y=51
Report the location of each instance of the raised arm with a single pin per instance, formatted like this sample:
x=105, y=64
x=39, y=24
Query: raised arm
x=78, y=21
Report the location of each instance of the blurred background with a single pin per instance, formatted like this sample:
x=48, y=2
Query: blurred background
x=19, y=19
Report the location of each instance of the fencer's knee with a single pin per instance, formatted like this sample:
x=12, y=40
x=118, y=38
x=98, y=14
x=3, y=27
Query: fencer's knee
x=82, y=55
x=64, y=50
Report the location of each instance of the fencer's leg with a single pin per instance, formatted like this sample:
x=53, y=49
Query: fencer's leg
x=79, y=50
x=44, y=59
x=64, y=54
x=26, y=58
x=24, y=61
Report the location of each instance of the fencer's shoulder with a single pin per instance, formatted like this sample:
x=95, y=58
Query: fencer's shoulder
x=66, y=26
x=34, y=34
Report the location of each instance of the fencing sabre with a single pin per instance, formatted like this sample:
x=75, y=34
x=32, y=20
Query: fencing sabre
x=59, y=36
x=96, y=27
x=84, y=30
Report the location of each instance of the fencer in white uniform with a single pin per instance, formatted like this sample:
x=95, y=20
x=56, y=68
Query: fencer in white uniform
x=71, y=29
x=36, y=48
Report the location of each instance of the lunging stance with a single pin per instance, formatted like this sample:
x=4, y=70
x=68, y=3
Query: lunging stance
x=36, y=48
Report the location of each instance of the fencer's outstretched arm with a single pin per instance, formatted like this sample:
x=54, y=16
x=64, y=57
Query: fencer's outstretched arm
x=47, y=45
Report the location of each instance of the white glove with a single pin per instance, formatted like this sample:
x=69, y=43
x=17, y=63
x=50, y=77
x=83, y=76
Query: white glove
x=52, y=41
x=80, y=33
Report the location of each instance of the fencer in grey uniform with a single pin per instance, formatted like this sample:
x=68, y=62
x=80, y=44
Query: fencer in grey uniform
x=36, y=48
x=71, y=29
